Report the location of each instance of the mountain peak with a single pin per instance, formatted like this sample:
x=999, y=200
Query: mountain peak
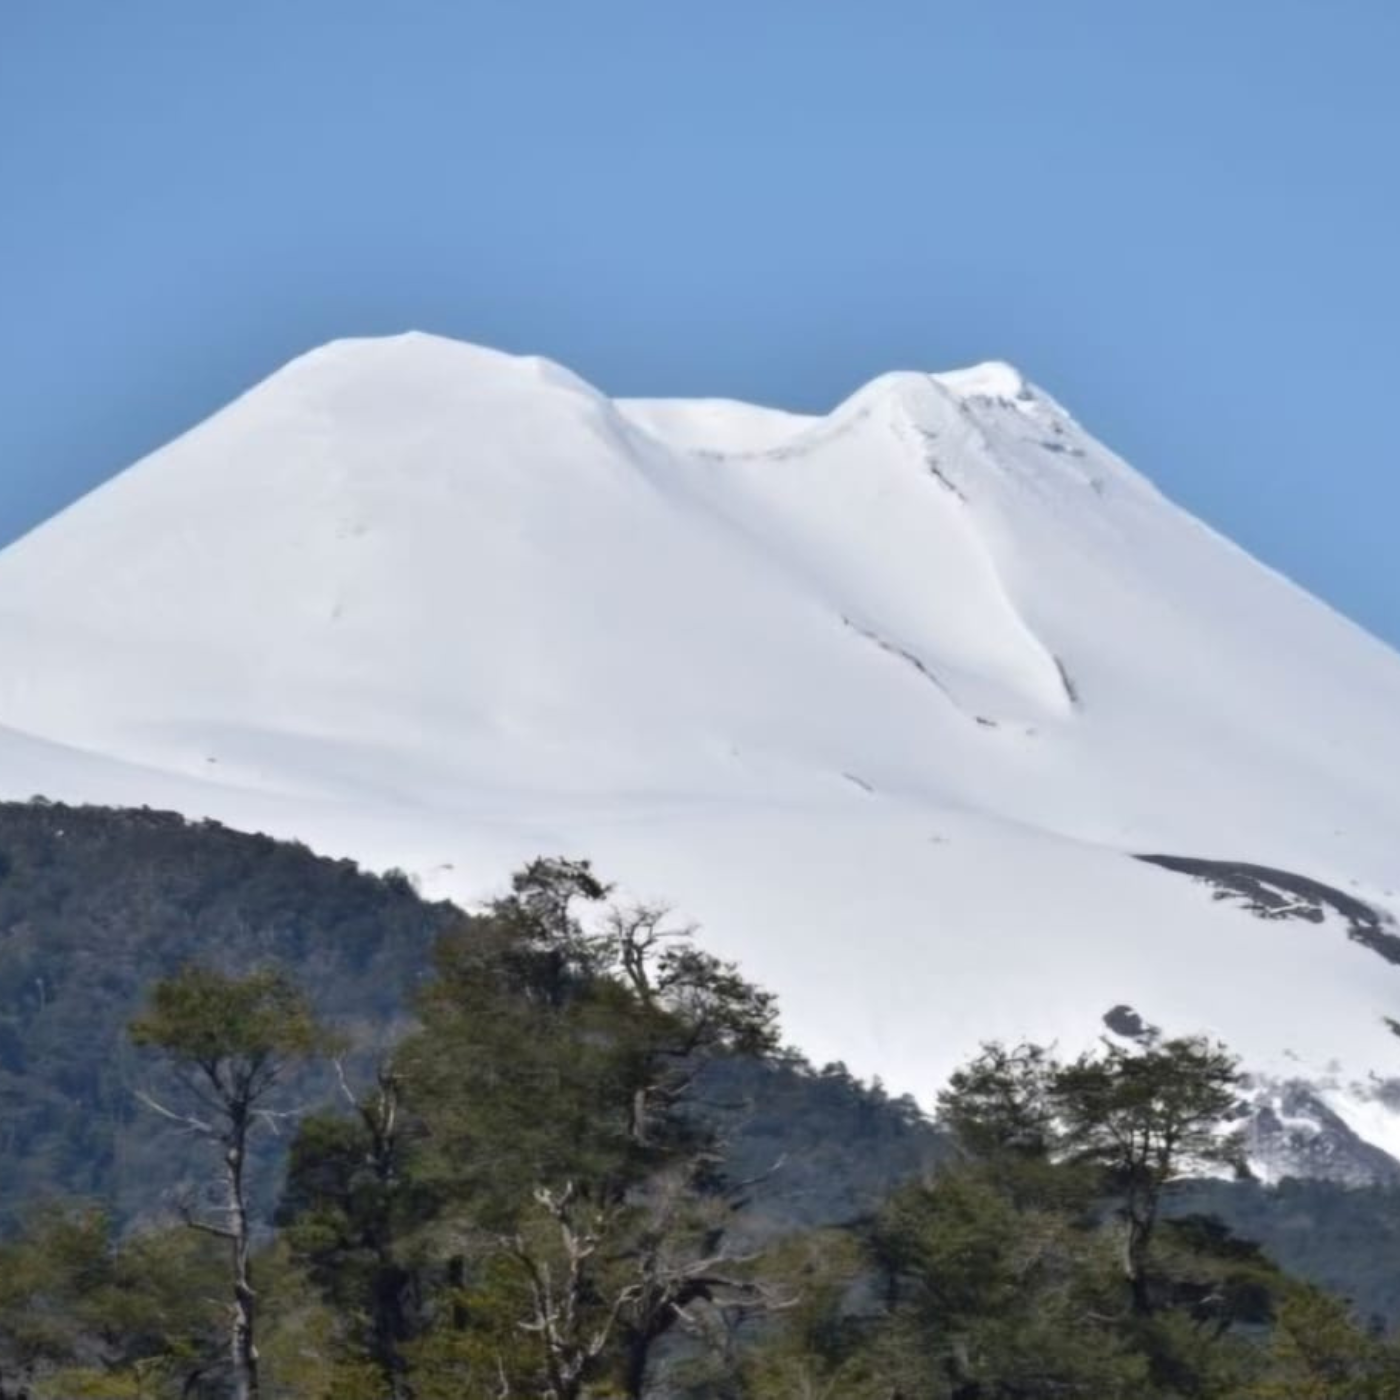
x=992, y=379
x=932, y=401
x=430, y=358
x=412, y=366
x=884, y=697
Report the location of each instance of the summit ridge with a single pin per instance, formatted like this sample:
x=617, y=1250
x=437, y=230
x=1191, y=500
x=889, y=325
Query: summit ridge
x=888, y=699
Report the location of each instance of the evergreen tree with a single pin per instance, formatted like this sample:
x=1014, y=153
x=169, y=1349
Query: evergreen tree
x=350, y=1210
x=533, y=1197
x=230, y=1042
x=1148, y=1117
x=544, y=1124
x=83, y=1312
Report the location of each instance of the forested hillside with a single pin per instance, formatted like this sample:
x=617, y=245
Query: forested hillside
x=558, y=1149
x=96, y=904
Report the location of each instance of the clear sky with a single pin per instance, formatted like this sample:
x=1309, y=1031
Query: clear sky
x=1182, y=218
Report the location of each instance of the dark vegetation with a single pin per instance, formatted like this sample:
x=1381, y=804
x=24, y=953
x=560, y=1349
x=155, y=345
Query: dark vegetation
x=557, y=1150
x=95, y=906
x=1347, y=1239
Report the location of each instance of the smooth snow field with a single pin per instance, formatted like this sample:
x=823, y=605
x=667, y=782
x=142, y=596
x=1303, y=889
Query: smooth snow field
x=884, y=700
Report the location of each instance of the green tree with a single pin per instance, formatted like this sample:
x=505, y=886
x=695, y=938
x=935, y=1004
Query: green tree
x=999, y=1103
x=1147, y=1118
x=1317, y=1352
x=1001, y=1112
x=544, y=943
x=998, y=1277
x=230, y=1042
x=82, y=1313
x=350, y=1210
x=990, y=1295
x=687, y=1007
x=549, y=1196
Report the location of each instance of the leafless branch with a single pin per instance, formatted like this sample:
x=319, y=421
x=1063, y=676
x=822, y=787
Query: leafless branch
x=185, y=1120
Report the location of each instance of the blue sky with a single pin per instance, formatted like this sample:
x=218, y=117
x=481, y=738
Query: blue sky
x=1182, y=219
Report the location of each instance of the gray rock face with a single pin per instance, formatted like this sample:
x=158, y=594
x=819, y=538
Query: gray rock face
x=1123, y=1021
x=1290, y=1131
x=1283, y=894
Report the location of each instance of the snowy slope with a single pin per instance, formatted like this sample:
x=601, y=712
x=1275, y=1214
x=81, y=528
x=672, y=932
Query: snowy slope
x=884, y=699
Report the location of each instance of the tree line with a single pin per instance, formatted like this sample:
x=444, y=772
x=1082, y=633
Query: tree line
x=529, y=1196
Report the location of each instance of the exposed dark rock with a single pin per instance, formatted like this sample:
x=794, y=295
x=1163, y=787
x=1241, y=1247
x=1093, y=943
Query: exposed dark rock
x=902, y=653
x=1292, y=1133
x=1050, y=445
x=1123, y=1021
x=1071, y=690
x=931, y=461
x=1282, y=894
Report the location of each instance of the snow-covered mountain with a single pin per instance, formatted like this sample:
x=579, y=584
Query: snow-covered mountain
x=888, y=700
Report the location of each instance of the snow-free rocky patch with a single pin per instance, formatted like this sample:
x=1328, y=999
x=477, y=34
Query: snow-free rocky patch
x=1282, y=894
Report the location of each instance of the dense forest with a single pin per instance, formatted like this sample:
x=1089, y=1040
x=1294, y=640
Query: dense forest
x=275, y=1127
x=95, y=905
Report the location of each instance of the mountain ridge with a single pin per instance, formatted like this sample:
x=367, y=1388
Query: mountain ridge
x=887, y=698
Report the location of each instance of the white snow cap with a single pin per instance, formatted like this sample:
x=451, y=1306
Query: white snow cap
x=885, y=699
x=994, y=379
